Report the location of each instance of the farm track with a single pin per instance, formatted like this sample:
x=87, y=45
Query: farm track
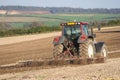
x=42, y=48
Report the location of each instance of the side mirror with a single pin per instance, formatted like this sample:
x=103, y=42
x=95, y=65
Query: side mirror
x=99, y=27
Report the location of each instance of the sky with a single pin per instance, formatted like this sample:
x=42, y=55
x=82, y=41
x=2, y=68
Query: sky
x=64, y=3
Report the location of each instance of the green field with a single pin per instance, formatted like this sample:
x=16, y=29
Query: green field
x=54, y=19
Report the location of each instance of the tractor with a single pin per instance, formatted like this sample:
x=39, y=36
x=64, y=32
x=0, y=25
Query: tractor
x=78, y=40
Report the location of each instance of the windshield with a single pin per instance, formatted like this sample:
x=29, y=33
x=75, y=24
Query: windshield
x=71, y=30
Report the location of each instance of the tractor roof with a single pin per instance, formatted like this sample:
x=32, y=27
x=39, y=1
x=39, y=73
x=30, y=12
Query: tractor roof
x=73, y=23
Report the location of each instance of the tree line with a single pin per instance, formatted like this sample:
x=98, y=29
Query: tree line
x=54, y=10
x=33, y=28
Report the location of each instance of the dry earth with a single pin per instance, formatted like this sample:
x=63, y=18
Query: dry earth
x=23, y=12
x=35, y=47
x=18, y=39
x=42, y=48
x=103, y=71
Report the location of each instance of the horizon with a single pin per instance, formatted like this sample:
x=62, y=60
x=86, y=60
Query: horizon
x=63, y=3
x=53, y=7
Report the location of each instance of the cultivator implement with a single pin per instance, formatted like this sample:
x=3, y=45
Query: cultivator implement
x=52, y=62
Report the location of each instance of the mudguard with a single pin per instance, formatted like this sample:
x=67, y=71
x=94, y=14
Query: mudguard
x=99, y=46
x=84, y=38
x=60, y=39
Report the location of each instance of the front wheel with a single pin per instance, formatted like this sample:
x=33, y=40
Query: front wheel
x=104, y=52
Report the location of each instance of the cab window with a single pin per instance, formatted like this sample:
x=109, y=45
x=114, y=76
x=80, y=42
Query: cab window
x=85, y=29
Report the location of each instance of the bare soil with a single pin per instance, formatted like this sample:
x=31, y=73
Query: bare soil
x=42, y=48
x=103, y=71
x=24, y=12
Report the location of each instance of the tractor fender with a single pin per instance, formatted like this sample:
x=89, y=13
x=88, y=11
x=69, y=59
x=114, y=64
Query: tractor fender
x=82, y=39
x=99, y=46
x=58, y=40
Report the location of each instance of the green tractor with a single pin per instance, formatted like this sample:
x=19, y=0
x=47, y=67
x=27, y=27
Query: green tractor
x=78, y=40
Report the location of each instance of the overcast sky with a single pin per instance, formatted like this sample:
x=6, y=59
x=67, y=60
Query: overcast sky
x=64, y=3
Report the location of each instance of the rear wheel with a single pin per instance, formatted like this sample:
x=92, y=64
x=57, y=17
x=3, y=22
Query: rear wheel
x=87, y=49
x=57, y=51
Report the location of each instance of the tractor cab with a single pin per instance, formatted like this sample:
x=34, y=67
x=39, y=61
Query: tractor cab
x=73, y=30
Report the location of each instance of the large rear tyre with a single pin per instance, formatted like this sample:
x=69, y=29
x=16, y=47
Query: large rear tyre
x=57, y=51
x=87, y=49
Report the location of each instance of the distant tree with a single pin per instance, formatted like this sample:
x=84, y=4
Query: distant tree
x=35, y=24
x=4, y=26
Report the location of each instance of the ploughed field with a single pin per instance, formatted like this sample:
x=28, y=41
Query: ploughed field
x=42, y=48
